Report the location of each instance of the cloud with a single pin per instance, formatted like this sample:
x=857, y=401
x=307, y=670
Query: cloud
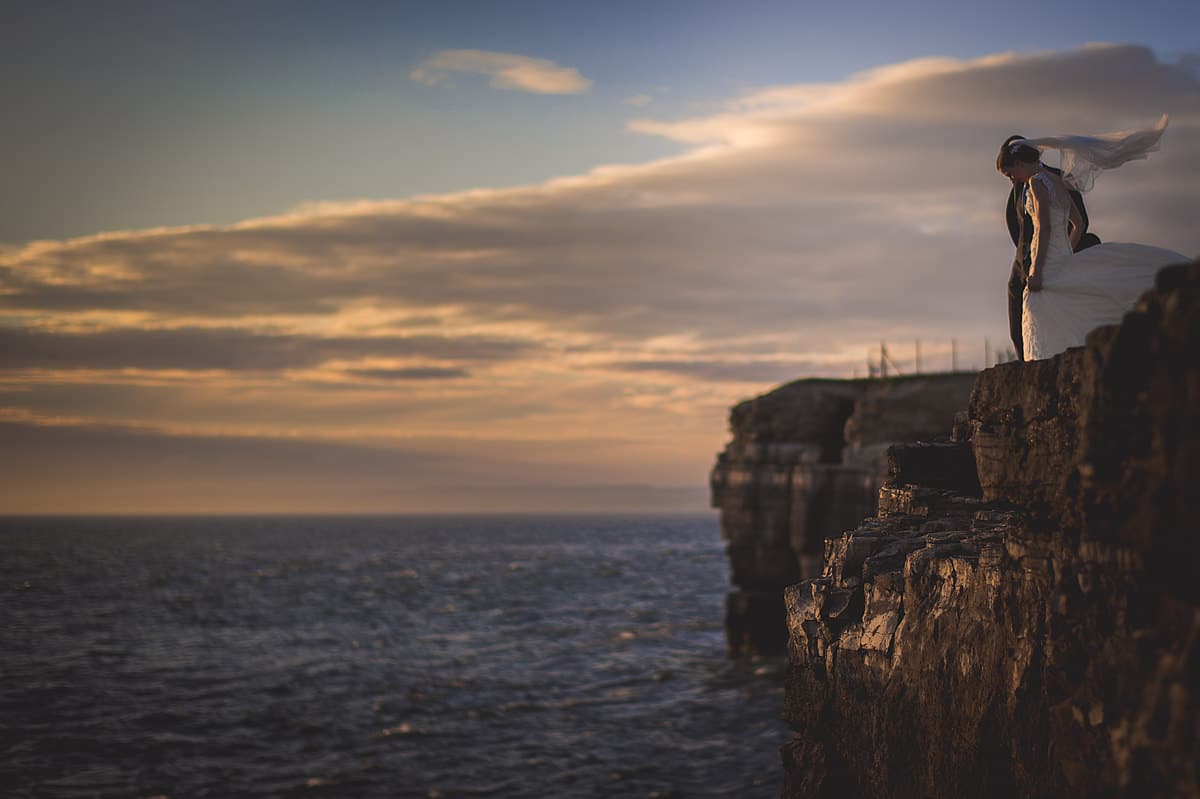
x=753, y=371
x=629, y=306
x=507, y=71
x=639, y=100
x=412, y=373
x=238, y=350
x=804, y=215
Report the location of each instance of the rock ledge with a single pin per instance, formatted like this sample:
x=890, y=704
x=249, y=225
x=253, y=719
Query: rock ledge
x=1022, y=617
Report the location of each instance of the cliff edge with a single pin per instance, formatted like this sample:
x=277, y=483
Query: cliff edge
x=807, y=461
x=1022, y=616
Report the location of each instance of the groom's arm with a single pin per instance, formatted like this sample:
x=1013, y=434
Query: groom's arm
x=1077, y=201
x=1077, y=226
x=1085, y=239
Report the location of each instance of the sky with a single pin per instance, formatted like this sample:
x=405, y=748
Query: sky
x=514, y=256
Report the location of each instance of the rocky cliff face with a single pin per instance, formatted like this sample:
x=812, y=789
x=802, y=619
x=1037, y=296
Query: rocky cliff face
x=807, y=459
x=1022, y=617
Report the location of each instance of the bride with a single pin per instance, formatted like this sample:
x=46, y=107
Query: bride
x=1068, y=294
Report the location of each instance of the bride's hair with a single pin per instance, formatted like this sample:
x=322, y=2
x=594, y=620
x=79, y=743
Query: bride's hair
x=1013, y=150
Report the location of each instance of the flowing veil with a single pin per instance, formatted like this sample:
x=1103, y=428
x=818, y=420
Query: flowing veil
x=1085, y=157
x=1098, y=285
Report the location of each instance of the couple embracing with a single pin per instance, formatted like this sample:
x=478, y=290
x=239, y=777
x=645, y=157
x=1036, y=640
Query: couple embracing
x=1064, y=282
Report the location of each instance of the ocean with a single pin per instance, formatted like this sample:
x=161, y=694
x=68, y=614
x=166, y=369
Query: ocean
x=574, y=656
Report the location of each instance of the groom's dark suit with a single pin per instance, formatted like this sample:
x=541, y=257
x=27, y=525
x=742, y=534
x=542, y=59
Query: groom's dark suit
x=1020, y=229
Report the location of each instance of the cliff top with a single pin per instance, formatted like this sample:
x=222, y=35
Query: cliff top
x=833, y=413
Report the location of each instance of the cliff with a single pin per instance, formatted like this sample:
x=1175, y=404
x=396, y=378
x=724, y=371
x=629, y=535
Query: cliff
x=1022, y=617
x=806, y=459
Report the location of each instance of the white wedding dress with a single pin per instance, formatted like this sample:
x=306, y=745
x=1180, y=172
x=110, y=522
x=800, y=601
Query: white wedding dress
x=1084, y=290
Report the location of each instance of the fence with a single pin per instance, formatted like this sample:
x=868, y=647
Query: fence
x=881, y=363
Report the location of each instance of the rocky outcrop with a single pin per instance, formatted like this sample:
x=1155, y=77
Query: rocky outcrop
x=805, y=459
x=1022, y=617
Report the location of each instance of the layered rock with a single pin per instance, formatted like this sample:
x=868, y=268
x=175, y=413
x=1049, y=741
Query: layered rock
x=1022, y=617
x=805, y=459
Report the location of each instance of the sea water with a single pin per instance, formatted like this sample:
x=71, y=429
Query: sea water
x=376, y=657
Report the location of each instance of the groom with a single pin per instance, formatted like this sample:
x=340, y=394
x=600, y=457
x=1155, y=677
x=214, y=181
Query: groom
x=1020, y=229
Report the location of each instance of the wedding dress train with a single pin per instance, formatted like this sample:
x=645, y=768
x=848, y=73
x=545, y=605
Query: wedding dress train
x=1083, y=290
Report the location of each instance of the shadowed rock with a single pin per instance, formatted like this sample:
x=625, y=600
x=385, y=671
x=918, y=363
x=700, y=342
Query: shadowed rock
x=806, y=461
x=1035, y=633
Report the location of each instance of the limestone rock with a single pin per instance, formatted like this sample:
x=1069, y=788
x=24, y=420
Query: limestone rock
x=807, y=460
x=1036, y=633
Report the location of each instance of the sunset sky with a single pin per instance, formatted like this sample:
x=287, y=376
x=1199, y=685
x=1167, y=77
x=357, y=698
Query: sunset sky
x=373, y=257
